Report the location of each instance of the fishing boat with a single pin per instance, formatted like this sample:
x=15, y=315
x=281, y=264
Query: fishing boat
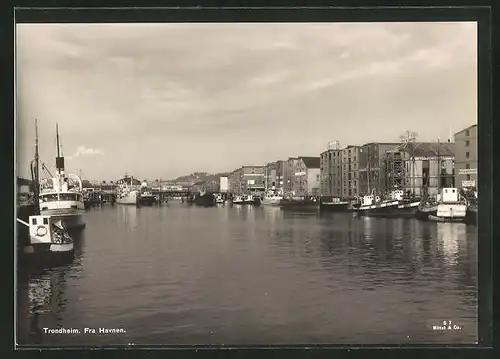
x=248, y=199
x=451, y=207
x=204, y=199
x=146, y=196
x=238, y=200
x=219, y=199
x=41, y=236
x=395, y=205
x=272, y=198
x=126, y=194
x=62, y=196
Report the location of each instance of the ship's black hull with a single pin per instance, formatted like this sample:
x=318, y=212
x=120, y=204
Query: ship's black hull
x=392, y=211
x=206, y=200
x=334, y=207
x=471, y=217
x=147, y=201
x=297, y=205
x=424, y=213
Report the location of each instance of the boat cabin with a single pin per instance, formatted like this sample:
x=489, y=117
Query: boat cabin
x=370, y=200
x=397, y=195
x=65, y=196
x=449, y=195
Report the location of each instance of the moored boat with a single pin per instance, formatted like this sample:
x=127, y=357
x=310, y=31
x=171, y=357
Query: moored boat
x=307, y=204
x=272, y=198
x=47, y=235
x=146, y=196
x=126, y=193
x=62, y=196
x=333, y=204
x=451, y=207
x=219, y=199
x=41, y=237
x=237, y=200
x=396, y=205
x=248, y=199
x=204, y=199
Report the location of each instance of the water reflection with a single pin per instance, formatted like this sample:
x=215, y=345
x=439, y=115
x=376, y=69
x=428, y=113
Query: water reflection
x=448, y=235
x=41, y=303
x=128, y=215
x=289, y=273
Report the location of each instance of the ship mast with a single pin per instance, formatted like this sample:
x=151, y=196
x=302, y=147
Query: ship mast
x=59, y=158
x=36, y=175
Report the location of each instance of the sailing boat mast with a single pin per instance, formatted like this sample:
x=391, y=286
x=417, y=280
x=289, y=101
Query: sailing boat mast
x=439, y=165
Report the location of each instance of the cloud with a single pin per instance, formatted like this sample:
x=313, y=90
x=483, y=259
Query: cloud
x=83, y=151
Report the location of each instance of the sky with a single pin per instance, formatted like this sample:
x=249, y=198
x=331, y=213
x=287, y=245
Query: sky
x=165, y=100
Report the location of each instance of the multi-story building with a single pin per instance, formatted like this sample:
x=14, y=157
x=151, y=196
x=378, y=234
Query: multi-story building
x=306, y=178
x=247, y=180
x=371, y=166
x=466, y=157
x=420, y=168
x=274, y=175
x=280, y=171
x=289, y=173
x=350, y=172
x=331, y=173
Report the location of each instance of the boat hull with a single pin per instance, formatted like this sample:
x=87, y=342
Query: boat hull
x=389, y=210
x=471, y=216
x=334, y=207
x=206, y=200
x=131, y=199
x=297, y=205
x=147, y=200
x=273, y=201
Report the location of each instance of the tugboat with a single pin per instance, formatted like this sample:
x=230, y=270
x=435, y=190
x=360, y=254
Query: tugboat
x=451, y=207
x=395, y=206
x=146, y=197
x=63, y=195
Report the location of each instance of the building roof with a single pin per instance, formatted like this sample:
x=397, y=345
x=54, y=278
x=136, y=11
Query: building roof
x=381, y=143
x=431, y=149
x=465, y=129
x=311, y=162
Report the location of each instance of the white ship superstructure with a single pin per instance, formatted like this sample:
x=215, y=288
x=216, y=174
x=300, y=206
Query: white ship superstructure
x=62, y=197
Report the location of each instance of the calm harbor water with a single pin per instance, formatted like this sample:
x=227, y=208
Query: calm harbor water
x=181, y=274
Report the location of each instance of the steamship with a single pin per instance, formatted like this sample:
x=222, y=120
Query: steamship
x=62, y=196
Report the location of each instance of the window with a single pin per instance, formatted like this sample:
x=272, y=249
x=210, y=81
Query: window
x=467, y=166
x=468, y=177
x=317, y=177
x=45, y=221
x=467, y=143
x=443, y=163
x=467, y=133
x=33, y=221
x=467, y=154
